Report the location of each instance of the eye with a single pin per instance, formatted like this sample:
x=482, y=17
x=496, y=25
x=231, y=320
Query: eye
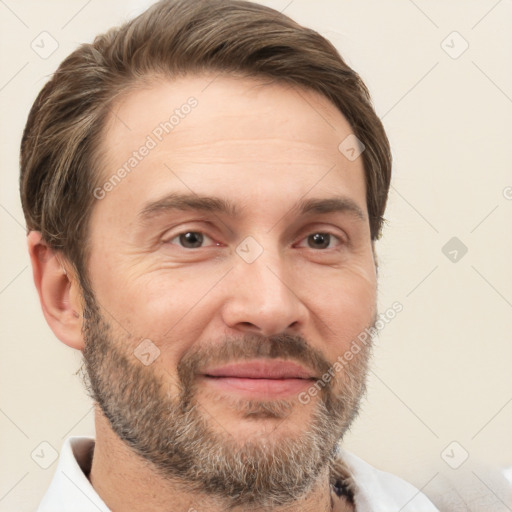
x=321, y=240
x=191, y=239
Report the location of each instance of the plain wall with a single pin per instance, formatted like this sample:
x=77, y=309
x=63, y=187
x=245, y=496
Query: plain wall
x=442, y=368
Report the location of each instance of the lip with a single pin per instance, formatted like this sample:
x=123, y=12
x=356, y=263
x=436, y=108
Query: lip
x=261, y=379
x=262, y=369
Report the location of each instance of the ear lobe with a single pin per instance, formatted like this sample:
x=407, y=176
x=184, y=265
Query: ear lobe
x=59, y=291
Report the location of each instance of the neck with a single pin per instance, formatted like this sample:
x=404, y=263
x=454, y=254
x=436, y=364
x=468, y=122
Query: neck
x=125, y=481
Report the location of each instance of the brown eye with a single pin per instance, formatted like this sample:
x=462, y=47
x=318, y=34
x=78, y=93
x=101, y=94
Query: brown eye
x=319, y=240
x=190, y=239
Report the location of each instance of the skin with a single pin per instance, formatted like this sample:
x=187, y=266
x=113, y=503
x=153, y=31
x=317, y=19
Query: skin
x=263, y=147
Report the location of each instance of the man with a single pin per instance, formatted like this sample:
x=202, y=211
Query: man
x=203, y=188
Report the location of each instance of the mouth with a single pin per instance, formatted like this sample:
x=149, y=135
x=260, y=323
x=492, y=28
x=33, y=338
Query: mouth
x=261, y=378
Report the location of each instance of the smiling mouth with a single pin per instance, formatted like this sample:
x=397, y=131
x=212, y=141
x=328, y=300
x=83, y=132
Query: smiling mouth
x=262, y=378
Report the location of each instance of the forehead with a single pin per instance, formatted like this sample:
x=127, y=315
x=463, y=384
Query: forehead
x=242, y=137
x=225, y=105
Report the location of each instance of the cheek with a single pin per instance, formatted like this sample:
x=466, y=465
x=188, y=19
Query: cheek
x=345, y=303
x=170, y=307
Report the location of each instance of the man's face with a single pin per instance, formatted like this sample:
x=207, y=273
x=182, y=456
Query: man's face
x=233, y=294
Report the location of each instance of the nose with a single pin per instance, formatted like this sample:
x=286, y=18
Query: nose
x=264, y=297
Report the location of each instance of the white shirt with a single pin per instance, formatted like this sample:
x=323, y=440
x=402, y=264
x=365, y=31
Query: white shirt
x=376, y=491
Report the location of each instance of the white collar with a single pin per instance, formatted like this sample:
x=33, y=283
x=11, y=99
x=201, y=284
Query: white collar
x=70, y=489
x=379, y=491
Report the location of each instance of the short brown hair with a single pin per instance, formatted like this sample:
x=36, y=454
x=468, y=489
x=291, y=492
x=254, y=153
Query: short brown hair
x=172, y=38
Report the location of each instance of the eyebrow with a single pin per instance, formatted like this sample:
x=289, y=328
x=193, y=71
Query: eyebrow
x=217, y=205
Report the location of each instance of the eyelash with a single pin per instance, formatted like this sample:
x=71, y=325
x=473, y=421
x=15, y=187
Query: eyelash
x=337, y=237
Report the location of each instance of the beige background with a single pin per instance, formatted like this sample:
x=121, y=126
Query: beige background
x=442, y=367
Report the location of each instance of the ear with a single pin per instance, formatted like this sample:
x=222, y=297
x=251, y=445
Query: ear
x=59, y=291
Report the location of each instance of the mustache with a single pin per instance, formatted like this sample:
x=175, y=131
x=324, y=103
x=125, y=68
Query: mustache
x=248, y=347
